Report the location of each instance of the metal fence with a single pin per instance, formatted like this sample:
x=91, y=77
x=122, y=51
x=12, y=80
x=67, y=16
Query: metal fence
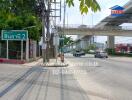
x=14, y=50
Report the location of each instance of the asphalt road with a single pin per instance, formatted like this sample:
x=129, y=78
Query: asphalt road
x=105, y=79
x=86, y=78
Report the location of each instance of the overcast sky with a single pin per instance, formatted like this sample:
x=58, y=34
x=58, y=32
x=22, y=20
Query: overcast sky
x=74, y=17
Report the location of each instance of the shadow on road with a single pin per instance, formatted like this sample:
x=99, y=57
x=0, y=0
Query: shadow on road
x=20, y=79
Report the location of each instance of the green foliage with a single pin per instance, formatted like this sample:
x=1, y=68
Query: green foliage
x=110, y=51
x=122, y=54
x=85, y=5
x=67, y=40
x=92, y=47
x=70, y=3
x=14, y=23
x=19, y=14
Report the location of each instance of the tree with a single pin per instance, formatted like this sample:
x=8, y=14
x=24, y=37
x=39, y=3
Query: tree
x=92, y=47
x=19, y=14
x=85, y=5
x=67, y=40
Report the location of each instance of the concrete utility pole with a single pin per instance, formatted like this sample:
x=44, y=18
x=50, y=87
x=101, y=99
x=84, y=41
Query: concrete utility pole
x=43, y=34
x=63, y=25
x=64, y=14
x=48, y=31
x=55, y=38
x=46, y=11
x=55, y=9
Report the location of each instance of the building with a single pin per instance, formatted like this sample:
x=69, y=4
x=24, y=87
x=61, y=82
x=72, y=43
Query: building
x=123, y=48
x=100, y=46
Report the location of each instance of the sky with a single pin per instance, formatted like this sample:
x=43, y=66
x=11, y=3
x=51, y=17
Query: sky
x=74, y=17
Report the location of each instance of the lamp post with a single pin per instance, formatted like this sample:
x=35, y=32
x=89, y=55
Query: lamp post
x=92, y=26
x=82, y=19
x=27, y=45
x=28, y=27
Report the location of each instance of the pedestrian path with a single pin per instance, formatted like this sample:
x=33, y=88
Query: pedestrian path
x=55, y=63
x=33, y=63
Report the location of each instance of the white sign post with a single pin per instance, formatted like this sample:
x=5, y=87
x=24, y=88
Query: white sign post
x=7, y=50
x=16, y=35
x=21, y=49
x=56, y=44
x=27, y=49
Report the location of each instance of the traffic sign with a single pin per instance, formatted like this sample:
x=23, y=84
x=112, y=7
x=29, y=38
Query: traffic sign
x=44, y=46
x=56, y=40
x=14, y=35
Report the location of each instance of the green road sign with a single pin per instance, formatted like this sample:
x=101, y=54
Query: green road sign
x=14, y=35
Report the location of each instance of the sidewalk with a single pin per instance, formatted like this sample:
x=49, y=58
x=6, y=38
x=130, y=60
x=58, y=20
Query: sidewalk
x=55, y=63
x=39, y=62
x=34, y=63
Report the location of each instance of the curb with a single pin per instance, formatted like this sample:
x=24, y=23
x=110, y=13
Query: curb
x=54, y=65
x=34, y=63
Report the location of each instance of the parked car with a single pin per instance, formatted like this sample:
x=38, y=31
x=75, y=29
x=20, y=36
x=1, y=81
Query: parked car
x=101, y=54
x=78, y=53
x=82, y=53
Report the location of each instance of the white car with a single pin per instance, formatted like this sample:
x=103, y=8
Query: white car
x=101, y=54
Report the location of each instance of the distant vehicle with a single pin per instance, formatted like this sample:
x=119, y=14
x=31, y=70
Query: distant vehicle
x=91, y=51
x=78, y=53
x=101, y=54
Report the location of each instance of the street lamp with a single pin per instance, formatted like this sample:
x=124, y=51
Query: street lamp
x=82, y=19
x=28, y=27
x=27, y=45
x=93, y=27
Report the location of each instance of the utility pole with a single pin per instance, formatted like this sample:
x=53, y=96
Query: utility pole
x=63, y=25
x=43, y=34
x=64, y=14
x=48, y=31
x=54, y=12
x=67, y=20
x=55, y=37
x=46, y=15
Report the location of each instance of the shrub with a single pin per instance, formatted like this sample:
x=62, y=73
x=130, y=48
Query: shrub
x=110, y=51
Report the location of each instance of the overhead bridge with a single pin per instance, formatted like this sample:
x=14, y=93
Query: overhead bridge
x=109, y=26
x=103, y=31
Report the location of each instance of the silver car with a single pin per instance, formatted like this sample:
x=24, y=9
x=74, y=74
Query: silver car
x=101, y=54
x=78, y=53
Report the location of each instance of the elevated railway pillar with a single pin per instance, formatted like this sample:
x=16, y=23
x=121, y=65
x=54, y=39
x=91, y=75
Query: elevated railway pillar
x=111, y=42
